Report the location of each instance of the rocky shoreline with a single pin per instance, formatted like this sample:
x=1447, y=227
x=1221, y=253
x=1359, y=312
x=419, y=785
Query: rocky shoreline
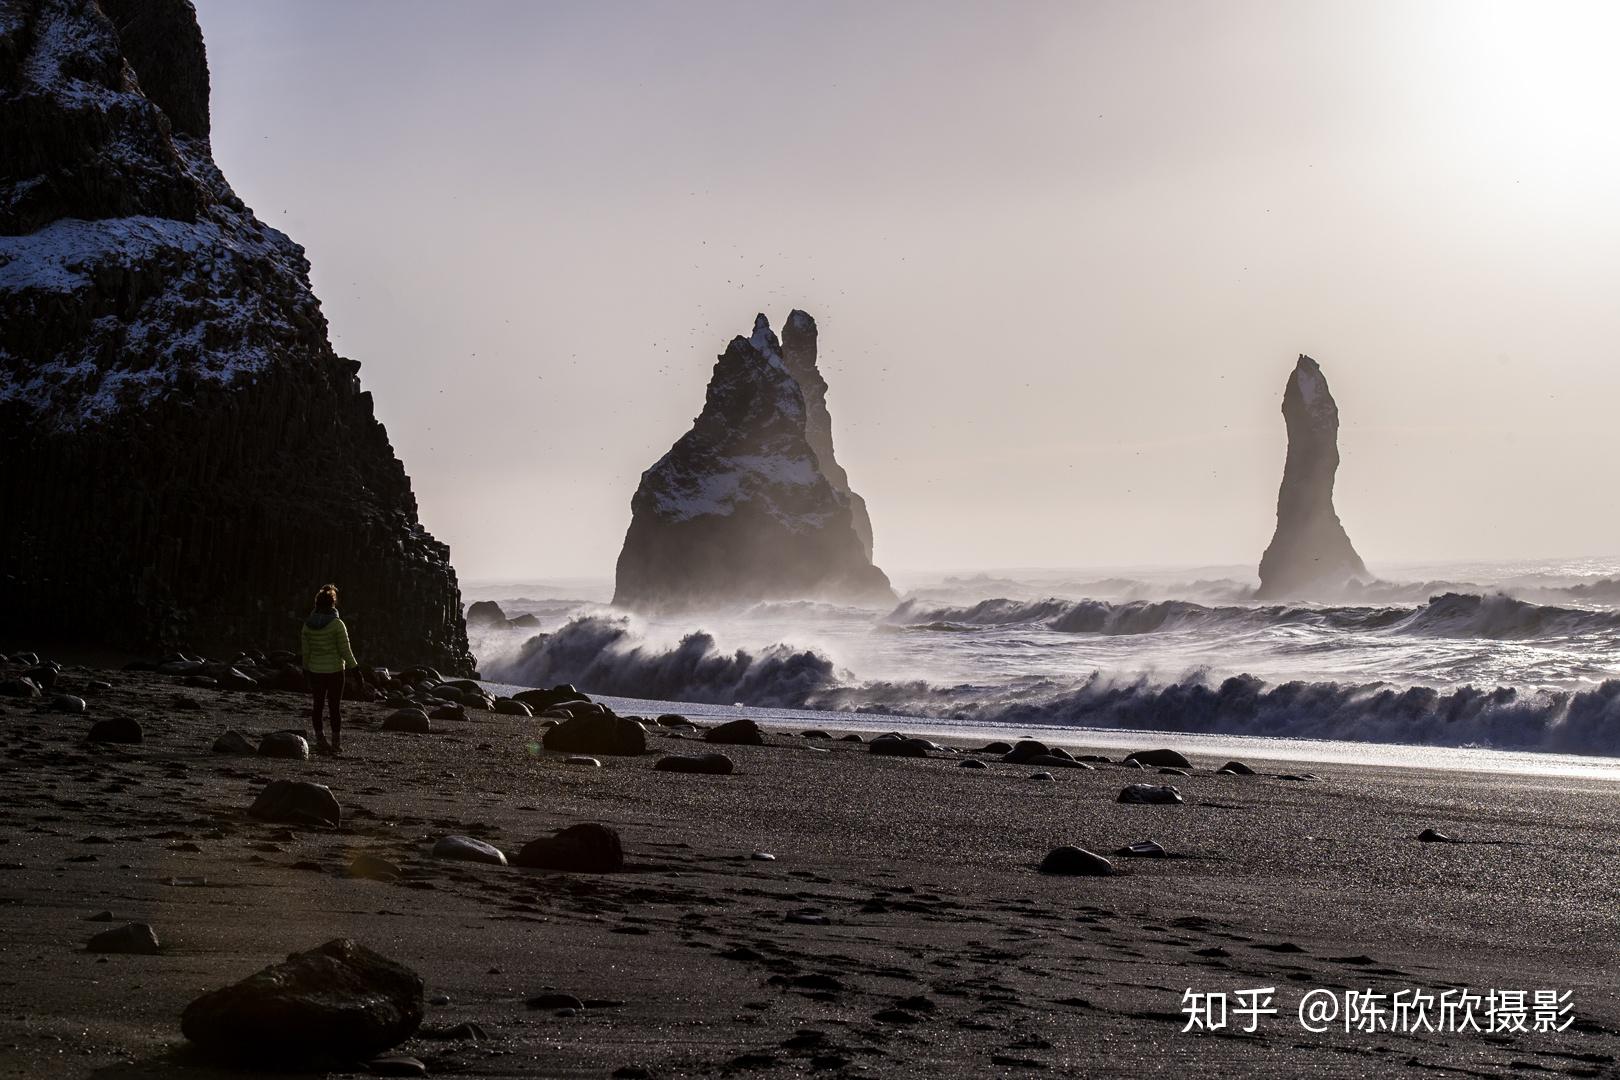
x=571, y=899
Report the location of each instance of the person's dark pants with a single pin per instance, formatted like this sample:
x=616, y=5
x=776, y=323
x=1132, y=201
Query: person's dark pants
x=328, y=689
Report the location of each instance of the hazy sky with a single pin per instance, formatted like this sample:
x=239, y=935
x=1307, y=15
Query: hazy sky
x=1062, y=257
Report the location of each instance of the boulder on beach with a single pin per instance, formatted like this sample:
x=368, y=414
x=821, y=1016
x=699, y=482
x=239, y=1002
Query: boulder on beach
x=1058, y=761
x=587, y=848
x=1023, y=750
x=20, y=688
x=899, y=746
x=736, y=733
x=282, y=744
x=512, y=707
x=232, y=741
x=414, y=721
x=705, y=764
x=1235, y=768
x=468, y=849
x=448, y=711
x=1076, y=862
x=1150, y=794
x=68, y=703
x=117, y=729
x=600, y=733
x=1143, y=849
x=1159, y=759
x=137, y=939
x=540, y=699
x=340, y=1003
x=971, y=763
x=750, y=504
x=297, y=802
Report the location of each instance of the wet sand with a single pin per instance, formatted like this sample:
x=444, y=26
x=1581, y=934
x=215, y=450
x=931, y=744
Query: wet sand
x=901, y=930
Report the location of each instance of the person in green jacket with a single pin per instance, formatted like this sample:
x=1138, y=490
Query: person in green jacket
x=326, y=653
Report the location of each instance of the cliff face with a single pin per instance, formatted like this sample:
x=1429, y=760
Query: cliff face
x=183, y=458
x=1310, y=554
x=750, y=504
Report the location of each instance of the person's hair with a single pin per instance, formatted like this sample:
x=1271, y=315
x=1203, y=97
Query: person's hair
x=326, y=599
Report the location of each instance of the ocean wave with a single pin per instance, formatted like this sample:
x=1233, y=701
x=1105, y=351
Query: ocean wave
x=1452, y=615
x=606, y=655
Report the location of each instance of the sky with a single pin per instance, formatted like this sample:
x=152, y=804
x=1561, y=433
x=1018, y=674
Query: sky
x=1062, y=257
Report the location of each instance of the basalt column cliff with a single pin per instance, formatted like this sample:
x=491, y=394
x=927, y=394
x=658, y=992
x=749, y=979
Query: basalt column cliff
x=183, y=458
x=750, y=504
x=1310, y=555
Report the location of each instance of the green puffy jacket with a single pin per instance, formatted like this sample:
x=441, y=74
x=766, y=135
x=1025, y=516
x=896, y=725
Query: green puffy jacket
x=326, y=644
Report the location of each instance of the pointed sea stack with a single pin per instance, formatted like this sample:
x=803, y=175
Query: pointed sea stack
x=183, y=458
x=1311, y=554
x=750, y=504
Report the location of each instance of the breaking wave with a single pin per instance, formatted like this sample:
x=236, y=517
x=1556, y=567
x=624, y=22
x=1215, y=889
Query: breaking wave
x=606, y=655
x=1452, y=615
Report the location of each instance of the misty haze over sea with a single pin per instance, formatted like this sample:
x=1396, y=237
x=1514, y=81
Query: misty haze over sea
x=1509, y=655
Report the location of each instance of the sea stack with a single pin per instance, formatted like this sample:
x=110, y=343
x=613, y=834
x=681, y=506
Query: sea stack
x=1311, y=554
x=184, y=460
x=750, y=504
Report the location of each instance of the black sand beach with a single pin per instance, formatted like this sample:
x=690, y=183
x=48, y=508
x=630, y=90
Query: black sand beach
x=901, y=929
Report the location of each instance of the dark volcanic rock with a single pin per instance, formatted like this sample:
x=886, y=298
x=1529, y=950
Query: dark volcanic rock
x=736, y=733
x=1310, y=554
x=136, y=938
x=1075, y=861
x=467, y=849
x=541, y=700
x=164, y=368
x=1160, y=759
x=281, y=744
x=899, y=747
x=1023, y=751
x=414, y=721
x=234, y=742
x=749, y=505
x=1150, y=794
x=119, y=729
x=1235, y=768
x=297, y=802
x=599, y=733
x=707, y=764
x=587, y=847
x=486, y=613
x=340, y=1002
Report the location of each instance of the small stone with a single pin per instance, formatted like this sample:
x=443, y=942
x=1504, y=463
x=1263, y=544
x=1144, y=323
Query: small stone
x=762, y=856
x=1043, y=777
x=67, y=703
x=1307, y=777
x=802, y=918
x=136, y=939
x=582, y=759
x=118, y=729
x=1143, y=849
x=1150, y=794
x=396, y=1065
x=467, y=849
x=1435, y=836
x=971, y=763
x=1235, y=768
